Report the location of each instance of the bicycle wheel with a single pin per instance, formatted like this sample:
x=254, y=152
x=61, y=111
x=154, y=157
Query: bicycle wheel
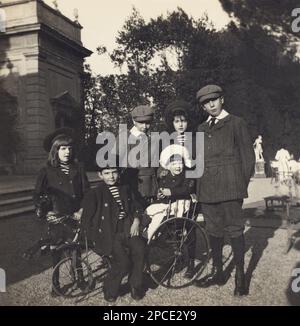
x=171, y=247
x=75, y=277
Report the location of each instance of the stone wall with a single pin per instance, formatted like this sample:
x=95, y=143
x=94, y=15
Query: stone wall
x=41, y=56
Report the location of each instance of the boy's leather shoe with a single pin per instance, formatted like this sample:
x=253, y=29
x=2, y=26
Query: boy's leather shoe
x=110, y=299
x=83, y=286
x=54, y=294
x=190, y=272
x=216, y=277
x=136, y=294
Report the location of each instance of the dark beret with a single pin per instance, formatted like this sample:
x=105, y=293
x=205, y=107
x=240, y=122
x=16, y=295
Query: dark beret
x=178, y=107
x=107, y=165
x=50, y=139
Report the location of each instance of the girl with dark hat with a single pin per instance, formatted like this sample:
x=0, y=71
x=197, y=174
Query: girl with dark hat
x=179, y=123
x=178, y=119
x=63, y=181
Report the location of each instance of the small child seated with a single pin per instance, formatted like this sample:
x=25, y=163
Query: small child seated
x=175, y=189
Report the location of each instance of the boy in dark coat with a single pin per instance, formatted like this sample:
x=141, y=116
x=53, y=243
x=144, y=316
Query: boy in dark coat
x=229, y=164
x=111, y=221
x=140, y=176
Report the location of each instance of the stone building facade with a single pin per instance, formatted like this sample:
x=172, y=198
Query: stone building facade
x=41, y=66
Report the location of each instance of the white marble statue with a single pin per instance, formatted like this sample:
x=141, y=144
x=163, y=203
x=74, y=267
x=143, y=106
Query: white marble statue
x=258, y=149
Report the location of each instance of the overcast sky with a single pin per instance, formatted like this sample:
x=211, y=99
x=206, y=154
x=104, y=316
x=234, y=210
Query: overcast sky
x=102, y=19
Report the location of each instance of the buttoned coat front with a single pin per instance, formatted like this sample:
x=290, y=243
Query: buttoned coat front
x=100, y=216
x=142, y=180
x=66, y=191
x=229, y=161
x=179, y=185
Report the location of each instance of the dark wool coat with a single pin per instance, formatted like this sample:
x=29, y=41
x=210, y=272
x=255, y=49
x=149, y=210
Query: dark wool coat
x=66, y=191
x=228, y=161
x=181, y=188
x=142, y=180
x=100, y=216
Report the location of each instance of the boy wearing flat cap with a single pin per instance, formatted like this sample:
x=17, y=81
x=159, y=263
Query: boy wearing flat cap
x=141, y=179
x=229, y=164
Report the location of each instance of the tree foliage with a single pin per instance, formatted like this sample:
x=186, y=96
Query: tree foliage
x=273, y=15
x=173, y=56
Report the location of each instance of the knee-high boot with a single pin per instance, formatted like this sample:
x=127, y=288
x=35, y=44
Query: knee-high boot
x=216, y=277
x=217, y=255
x=238, y=248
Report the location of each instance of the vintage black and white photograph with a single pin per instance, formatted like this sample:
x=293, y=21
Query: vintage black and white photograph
x=150, y=153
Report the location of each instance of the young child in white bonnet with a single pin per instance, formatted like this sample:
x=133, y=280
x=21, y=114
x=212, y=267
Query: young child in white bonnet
x=174, y=188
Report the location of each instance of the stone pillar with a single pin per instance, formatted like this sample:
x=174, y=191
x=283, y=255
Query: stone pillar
x=36, y=117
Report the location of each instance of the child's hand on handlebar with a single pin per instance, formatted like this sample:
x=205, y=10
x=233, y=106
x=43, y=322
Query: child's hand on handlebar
x=52, y=217
x=166, y=192
x=77, y=215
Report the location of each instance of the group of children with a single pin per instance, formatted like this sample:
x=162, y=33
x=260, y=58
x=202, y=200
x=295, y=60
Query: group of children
x=111, y=214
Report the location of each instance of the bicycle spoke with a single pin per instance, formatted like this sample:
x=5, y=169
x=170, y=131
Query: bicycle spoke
x=69, y=268
x=166, y=273
x=68, y=275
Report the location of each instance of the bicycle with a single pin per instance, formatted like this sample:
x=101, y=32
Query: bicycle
x=76, y=273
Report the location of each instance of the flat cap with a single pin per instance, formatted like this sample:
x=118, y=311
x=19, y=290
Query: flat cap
x=209, y=92
x=142, y=113
x=50, y=139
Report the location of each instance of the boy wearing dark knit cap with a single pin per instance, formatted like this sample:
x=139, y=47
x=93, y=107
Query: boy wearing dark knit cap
x=229, y=164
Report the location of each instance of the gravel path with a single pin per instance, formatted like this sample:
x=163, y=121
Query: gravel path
x=268, y=269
